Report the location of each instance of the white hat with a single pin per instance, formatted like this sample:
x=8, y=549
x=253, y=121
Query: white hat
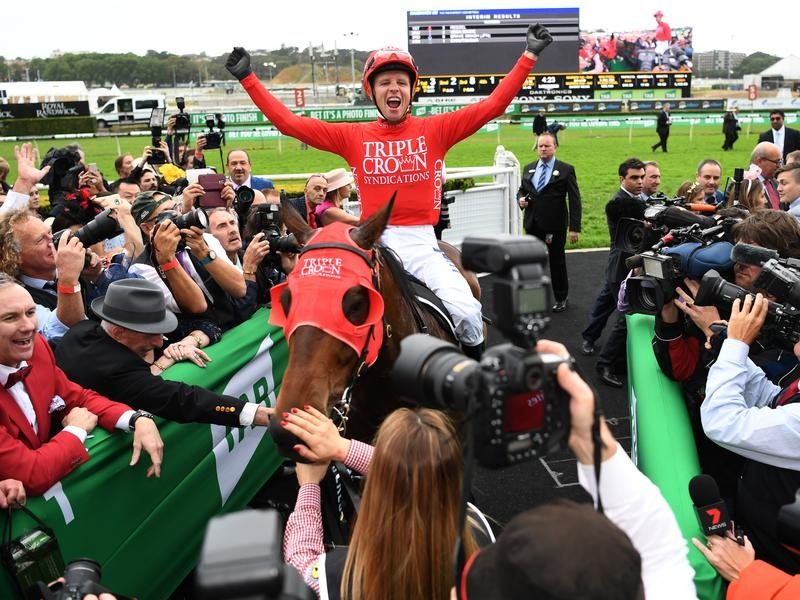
x=338, y=178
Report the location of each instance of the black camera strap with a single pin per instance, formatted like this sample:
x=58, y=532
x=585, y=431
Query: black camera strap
x=7, y=527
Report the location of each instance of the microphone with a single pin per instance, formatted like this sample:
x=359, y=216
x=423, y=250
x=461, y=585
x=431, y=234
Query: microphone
x=675, y=217
x=748, y=254
x=711, y=510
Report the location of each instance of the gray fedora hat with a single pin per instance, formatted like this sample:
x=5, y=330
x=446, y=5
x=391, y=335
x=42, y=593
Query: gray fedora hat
x=135, y=304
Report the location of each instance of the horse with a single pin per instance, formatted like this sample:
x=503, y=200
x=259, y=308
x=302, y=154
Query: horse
x=323, y=363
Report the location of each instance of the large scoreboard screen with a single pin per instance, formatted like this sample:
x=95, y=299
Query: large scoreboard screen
x=466, y=53
x=463, y=42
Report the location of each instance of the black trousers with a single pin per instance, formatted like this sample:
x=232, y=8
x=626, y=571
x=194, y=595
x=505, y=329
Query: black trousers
x=614, y=352
x=730, y=138
x=557, y=259
x=663, y=134
x=604, y=306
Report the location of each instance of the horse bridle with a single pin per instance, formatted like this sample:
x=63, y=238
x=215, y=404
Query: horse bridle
x=341, y=410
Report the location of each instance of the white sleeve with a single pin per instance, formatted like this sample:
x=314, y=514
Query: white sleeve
x=634, y=504
x=150, y=274
x=736, y=412
x=14, y=200
x=215, y=245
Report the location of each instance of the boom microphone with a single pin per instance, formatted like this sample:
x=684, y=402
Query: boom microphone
x=748, y=254
x=711, y=510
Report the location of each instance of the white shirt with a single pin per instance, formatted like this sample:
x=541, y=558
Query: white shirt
x=737, y=412
x=634, y=504
x=778, y=136
x=49, y=324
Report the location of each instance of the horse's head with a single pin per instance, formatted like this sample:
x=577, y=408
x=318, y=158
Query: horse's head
x=331, y=312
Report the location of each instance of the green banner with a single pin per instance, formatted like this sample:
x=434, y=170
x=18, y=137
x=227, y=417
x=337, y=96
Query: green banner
x=146, y=533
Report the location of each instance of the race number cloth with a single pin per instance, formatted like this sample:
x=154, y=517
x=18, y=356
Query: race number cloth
x=146, y=533
x=330, y=264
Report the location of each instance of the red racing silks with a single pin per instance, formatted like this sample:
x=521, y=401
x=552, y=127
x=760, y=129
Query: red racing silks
x=318, y=284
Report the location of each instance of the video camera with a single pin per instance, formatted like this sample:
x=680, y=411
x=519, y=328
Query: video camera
x=81, y=577
x=519, y=409
x=157, y=156
x=241, y=558
x=215, y=139
x=779, y=278
x=65, y=166
x=102, y=227
x=661, y=215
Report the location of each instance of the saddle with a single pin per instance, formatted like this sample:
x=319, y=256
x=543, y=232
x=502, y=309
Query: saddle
x=417, y=294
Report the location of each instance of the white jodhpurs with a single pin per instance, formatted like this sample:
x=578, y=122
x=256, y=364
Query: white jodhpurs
x=418, y=250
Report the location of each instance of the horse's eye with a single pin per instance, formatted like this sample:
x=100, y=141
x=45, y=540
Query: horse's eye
x=355, y=305
x=286, y=300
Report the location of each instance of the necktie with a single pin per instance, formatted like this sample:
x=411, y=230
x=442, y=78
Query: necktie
x=542, y=178
x=50, y=286
x=772, y=194
x=17, y=376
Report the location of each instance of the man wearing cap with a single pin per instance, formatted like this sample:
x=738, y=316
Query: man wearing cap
x=663, y=33
x=34, y=392
x=197, y=278
x=120, y=350
x=568, y=550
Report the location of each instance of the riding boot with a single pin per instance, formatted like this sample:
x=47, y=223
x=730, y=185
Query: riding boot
x=474, y=352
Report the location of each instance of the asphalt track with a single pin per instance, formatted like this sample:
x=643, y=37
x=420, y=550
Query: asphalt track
x=505, y=492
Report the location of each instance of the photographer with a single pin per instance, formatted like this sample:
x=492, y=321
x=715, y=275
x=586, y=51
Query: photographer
x=749, y=415
x=197, y=278
x=568, y=550
x=183, y=158
x=268, y=266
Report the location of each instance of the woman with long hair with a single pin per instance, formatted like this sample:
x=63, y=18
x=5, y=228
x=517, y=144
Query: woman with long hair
x=402, y=542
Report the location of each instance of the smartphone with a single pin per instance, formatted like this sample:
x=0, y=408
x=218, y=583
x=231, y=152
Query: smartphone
x=212, y=186
x=157, y=118
x=92, y=167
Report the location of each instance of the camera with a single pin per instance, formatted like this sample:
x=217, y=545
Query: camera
x=157, y=157
x=182, y=121
x=782, y=326
x=215, y=139
x=243, y=200
x=665, y=270
x=267, y=221
x=789, y=524
x=102, y=227
x=637, y=235
x=65, y=167
x=512, y=393
x=194, y=218
x=81, y=577
x=241, y=558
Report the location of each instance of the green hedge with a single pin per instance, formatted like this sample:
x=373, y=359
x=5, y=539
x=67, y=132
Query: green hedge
x=49, y=126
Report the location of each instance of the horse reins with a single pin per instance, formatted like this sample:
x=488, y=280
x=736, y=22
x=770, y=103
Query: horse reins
x=341, y=410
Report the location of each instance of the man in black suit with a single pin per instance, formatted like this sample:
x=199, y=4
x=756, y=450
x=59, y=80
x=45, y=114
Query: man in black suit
x=114, y=358
x=786, y=139
x=625, y=203
x=662, y=128
x=731, y=128
x=539, y=123
x=546, y=186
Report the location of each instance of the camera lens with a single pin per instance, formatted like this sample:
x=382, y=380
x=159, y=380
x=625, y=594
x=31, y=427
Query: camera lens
x=435, y=370
x=194, y=218
x=81, y=571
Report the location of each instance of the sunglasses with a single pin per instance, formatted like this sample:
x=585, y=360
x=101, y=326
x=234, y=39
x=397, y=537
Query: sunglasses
x=778, y=162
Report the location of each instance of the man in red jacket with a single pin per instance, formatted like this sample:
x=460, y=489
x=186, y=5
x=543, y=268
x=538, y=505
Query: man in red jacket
x=405, y=154
x=34, y=391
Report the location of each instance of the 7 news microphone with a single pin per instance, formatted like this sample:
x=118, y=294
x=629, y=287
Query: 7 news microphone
x=710, y=508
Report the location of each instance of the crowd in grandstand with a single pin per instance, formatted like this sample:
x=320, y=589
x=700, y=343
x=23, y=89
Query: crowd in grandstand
x=134, y=273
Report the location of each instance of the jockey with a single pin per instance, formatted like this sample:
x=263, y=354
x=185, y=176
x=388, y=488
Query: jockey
x=403, y=153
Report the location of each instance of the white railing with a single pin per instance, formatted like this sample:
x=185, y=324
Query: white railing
x=487, y=209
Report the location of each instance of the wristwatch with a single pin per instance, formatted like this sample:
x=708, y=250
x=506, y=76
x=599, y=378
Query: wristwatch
x=209, y=257
x=135, y=416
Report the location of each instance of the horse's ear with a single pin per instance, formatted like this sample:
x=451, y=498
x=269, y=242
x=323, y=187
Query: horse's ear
x=370, y=231
x=295, y=223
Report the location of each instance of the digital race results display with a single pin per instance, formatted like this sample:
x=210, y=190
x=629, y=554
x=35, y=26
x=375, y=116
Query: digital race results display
x=464, y=53
x=467, y=42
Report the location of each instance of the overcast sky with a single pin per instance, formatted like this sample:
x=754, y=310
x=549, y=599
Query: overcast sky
x=213, y=26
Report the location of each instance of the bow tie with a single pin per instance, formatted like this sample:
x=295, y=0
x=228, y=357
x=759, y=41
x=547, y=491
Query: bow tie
x=17, y=376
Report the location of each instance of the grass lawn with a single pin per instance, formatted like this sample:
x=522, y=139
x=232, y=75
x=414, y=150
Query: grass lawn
x=596, y=154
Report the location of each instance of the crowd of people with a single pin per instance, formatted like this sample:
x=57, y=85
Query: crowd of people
x=136, y=274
